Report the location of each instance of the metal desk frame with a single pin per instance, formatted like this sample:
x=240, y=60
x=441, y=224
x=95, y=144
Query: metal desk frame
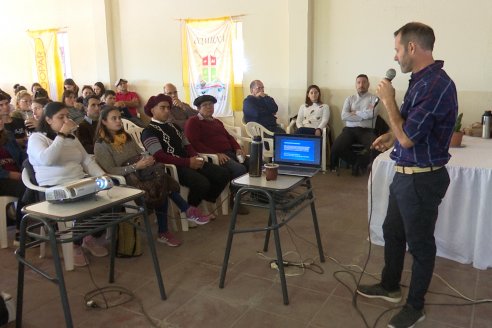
x=271, y=190
x=91, y=215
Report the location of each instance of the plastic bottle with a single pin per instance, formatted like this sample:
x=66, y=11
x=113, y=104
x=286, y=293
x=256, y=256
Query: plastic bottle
x=256, y=157
x=486, y=118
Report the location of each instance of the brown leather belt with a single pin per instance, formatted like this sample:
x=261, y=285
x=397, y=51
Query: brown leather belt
x=415, y=169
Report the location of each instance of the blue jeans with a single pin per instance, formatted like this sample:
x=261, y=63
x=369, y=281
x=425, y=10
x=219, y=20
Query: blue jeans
x=161, y=211
x=411, y=218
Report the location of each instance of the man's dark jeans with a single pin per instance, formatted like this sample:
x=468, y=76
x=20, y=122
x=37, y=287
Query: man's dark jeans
x=411, y=218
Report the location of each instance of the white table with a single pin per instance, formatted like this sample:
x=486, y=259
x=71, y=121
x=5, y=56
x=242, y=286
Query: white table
x=464, y=225
x=276, y=192
x=103, y=210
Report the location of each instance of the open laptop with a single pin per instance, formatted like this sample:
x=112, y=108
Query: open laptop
x=298, y=155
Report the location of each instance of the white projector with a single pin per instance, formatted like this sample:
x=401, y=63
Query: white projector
x=73, y=191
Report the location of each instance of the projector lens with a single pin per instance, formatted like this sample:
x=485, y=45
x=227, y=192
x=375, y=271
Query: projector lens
x=104, y=182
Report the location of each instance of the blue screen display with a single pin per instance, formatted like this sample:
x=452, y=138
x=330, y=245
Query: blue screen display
x=297, y=150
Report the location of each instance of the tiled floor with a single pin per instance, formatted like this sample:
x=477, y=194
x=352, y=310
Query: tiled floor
x=252, y=295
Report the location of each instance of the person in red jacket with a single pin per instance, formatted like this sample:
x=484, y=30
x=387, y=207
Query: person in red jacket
x=167, y=143
x=208, y=135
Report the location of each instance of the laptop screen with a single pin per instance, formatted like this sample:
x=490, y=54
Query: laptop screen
x=294, y=149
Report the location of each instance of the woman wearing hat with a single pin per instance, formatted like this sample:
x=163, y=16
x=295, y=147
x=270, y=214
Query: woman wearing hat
x=167, y=144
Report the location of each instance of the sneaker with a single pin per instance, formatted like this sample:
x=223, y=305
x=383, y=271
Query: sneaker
x=408, y=317
x=79, y=259
x=377, y=291
x=193, y=214
x=90, y=243
x=169, y=239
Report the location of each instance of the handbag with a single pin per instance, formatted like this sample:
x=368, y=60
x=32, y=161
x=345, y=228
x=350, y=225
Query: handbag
x=154, y=180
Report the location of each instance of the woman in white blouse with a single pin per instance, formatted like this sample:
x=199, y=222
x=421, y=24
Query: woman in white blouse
x=58, y=157
x=313, y=115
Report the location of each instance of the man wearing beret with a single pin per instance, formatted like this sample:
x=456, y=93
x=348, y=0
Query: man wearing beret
x=180, y=111
x=128, y=98
x=208, y=135
x=167, y=143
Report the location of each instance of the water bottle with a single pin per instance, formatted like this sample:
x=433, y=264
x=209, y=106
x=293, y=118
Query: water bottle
x=486, y=118
x=256, y=157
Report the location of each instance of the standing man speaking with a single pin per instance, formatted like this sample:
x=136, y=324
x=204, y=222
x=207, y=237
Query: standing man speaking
x=420, y=132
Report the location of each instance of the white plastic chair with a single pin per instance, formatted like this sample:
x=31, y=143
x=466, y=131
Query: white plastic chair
x=134, y=130
x=254, y=129
x=4, y=201
x=235, y=131
x=326, y=149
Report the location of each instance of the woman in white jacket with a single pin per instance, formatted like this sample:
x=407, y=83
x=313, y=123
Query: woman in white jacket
x=313, y=115
x=58, y=157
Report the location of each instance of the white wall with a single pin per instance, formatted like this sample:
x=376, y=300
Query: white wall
x=140, y=41
x=353, y=36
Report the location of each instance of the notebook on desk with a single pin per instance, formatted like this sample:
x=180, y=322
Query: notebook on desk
x=298, y=155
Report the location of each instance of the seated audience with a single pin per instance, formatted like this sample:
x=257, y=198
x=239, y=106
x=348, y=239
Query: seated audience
x=167, y=143
x=15, y=125
x=22, y=105
x=359, y=114
x=35, y=86
x=86, y=131
x=18, y=88
x=208, y=135
x=58, y=157
x=128, y=98
x=75, y=109
x=37, y=111
x=86, y=92
x=11, y=158
x=114, y=147
x=313, y=115
x=41, y=93
x=180, y=111
x=109, y=100
x=69, y=84
x=99, y=89
x=261, y=108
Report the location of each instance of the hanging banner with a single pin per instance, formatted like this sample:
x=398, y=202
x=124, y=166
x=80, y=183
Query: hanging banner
x=48, y=68
x=207, y=62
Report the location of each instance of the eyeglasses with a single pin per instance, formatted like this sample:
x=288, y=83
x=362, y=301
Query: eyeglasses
x=207, y=104
x=171, y=93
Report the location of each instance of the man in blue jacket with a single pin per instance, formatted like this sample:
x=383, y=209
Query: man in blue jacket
x=260, y=108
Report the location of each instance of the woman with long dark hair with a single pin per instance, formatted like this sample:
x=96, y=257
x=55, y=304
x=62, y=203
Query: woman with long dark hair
x=114, y=147
x=58, y=157
x=313, y=115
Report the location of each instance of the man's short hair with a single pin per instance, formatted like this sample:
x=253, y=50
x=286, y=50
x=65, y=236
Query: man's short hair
x=420, y=33
x=362, y=75
x=86, y=100
x=109, y=93
x=252, y=85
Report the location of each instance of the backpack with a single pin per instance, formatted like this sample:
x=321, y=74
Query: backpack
x=129, y=243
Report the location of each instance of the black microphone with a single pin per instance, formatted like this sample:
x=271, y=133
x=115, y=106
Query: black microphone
x=390, y=75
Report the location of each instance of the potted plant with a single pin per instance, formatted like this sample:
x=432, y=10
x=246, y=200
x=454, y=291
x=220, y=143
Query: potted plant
x=458, y=133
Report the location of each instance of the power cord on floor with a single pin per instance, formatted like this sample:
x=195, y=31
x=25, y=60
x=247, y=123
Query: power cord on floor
x=91, y=302
x=349, y=269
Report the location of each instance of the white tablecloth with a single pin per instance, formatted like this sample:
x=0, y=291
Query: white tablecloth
x=464, y=225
